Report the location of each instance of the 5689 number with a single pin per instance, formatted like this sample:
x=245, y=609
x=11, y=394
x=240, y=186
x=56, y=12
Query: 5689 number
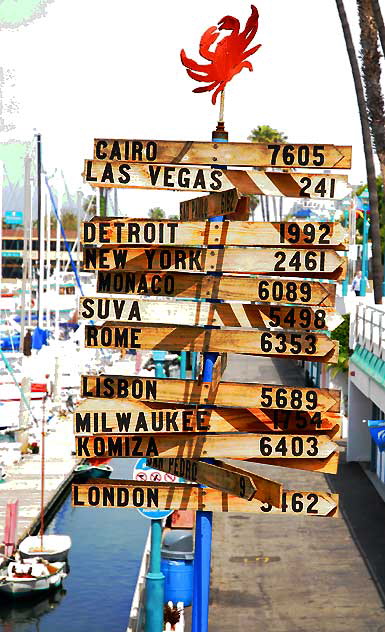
x=295, y=398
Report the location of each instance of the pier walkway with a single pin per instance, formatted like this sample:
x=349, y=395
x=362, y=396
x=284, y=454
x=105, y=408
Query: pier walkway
x=23, y=481
x=289, y=574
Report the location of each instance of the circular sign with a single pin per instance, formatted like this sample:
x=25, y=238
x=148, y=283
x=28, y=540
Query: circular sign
x=142, y=472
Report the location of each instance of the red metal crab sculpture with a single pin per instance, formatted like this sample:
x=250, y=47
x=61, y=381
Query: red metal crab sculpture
x=228, y=58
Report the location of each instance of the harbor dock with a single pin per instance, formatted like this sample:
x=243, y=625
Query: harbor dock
x=298, y=574
x=23, y=482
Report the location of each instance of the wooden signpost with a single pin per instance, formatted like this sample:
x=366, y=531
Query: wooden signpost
x=241, y=446
x=229, y=287
x=129, y=232
x=100, y=416
x=238, y=154
x=180, y=496
x=114, y=174
x=328, y=465
x=314, y=346
x=226, y=202
x=234, y=271
x=216, y=475
x=232, y=394
x=282, y=262
x=219, y=314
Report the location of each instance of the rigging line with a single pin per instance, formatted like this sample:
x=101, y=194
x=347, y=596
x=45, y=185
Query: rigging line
x=22, y=394
x=63, y=233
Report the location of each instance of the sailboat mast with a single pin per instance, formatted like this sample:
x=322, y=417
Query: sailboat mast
x=1, y=221
x=42, y=447
x=40, y=232
x=27, y=220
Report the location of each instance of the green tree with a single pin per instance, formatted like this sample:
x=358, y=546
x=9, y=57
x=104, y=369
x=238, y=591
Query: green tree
x=266, y=134
x=156, y=213
x=173, y=217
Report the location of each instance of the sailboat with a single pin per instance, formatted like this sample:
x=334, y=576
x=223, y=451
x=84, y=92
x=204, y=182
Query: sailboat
x=35, y=577
x=51, y=547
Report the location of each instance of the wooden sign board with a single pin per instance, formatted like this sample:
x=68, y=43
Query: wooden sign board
x=212, y=205
x=190, y=152
x=114, y=174
x=230, y=480
x=228, y=288
x=241, y=446
x=131, y=232
x=317, y=347
x=218, y=370
x=201, y=314
x=325, y=264
x=100, y=416
x=250, y=395
x=180, y=496
x=325, y=466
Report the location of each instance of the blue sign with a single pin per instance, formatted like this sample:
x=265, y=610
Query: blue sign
x=377, y=430
x=142, y=472
x=13, y=217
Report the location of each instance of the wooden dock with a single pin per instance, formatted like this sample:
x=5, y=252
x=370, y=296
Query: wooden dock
x=23, y=482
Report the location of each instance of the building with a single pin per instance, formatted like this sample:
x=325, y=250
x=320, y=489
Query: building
x=367, y=389
x=12, y=251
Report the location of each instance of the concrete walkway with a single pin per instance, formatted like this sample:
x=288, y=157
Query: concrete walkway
x=292, y=574
x=23, y=481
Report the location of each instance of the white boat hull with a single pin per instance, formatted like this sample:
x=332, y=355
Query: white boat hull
x=25, y=586
x=55, y=547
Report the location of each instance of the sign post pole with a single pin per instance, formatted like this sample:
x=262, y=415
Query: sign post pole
x=203, y=523
x=155, y=582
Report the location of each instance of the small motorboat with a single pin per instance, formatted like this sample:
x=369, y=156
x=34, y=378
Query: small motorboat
x=88, y=470
x=24, y=579
x=52, y=547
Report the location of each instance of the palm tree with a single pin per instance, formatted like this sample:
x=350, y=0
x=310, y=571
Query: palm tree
x=156, y=213
x=266, y=134
x=370, y=171
x=371, y=70
x=379, y=22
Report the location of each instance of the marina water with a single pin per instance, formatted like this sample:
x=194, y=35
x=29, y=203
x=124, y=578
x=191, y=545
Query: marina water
x=107, y=547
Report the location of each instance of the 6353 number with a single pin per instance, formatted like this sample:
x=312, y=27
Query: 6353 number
x=291, y=343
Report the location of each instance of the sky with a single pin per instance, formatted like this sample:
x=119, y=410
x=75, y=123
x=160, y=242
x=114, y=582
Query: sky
x=75, y=70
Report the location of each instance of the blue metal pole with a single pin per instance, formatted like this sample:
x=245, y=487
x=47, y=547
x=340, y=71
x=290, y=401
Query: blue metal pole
x=203, y=524
x=155, y=582
x=364, y=265
x=158, y=357
x=194, y=363
x=345, y=282
x=182, y=366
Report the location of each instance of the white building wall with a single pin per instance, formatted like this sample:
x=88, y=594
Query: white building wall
x=360, y=407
